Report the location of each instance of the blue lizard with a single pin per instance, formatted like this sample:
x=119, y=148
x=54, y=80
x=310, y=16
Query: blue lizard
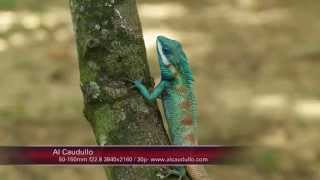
x=179, y=103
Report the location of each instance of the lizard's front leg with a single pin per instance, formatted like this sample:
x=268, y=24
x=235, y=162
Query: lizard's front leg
x=178, y=171
x=154, y=94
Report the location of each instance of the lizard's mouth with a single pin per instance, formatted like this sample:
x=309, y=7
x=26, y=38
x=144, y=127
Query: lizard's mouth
x=163, y=58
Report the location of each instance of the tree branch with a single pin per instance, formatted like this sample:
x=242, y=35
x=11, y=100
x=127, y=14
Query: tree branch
x=110, y=50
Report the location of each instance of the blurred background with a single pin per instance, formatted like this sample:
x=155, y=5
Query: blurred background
x=256, y=66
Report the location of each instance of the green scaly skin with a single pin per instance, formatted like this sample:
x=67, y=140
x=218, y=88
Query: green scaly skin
x=176, y=92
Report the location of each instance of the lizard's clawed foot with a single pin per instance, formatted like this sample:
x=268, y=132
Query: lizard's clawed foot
x=179, y=172
x=137, y=83
x=134, y=82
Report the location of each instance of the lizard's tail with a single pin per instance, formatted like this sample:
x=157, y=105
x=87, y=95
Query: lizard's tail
x=198, y=172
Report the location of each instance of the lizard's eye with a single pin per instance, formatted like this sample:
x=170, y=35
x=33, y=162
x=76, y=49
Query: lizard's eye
x=166, y=51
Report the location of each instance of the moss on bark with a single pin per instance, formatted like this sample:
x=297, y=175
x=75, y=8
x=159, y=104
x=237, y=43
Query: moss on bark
x=110, y=49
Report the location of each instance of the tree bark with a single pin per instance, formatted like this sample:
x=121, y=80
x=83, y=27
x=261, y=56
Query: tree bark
x=110, y=50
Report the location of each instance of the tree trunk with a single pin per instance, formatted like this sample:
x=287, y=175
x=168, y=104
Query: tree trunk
x=110, y=51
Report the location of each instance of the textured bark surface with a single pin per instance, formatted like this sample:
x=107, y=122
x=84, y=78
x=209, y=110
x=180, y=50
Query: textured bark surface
x=110, y=50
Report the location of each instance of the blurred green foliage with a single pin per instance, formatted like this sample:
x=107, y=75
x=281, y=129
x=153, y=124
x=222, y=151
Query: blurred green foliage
x=268, y=161
x=8, y=4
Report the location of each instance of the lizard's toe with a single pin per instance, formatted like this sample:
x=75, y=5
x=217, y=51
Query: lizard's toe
x=172, y=172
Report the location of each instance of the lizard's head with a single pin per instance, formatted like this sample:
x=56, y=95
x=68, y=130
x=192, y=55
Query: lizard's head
x=171, y=58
